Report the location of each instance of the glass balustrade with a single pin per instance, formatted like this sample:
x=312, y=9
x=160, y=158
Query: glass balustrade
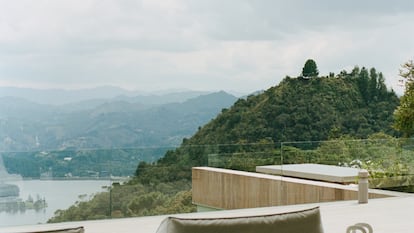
x=40, y=187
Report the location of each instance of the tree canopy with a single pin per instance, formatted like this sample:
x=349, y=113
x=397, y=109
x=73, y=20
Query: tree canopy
x=404, y=114
x=310, y=69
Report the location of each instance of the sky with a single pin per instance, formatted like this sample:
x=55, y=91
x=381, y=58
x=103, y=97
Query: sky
x=233, y=45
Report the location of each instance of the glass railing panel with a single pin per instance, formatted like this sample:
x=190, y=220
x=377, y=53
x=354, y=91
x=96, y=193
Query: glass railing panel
x=73, y=185
x=390, y=162
x=394, y=170
x=244, y=157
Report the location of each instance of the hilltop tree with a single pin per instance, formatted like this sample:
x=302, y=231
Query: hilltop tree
x=310, y=69
x=404, y=115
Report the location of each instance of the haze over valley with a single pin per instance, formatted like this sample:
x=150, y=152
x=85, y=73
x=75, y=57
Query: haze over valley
x=56, y=119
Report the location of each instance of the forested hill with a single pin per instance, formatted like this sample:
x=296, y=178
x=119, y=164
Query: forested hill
x=301, y=109
x=355, y=104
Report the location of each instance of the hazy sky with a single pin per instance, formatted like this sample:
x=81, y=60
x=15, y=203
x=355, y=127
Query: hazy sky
x=232, y=45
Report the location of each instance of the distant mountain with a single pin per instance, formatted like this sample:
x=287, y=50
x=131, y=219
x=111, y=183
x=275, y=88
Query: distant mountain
x=111, y=123
x=60, y=96
x=15, y=107
x=96, y=95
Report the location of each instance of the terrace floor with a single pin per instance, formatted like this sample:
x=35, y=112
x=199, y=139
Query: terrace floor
x=385, y=215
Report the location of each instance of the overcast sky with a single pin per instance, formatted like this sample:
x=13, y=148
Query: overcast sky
x=232, y=45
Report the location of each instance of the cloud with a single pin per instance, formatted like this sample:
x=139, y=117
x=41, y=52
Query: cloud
x=207, y=44
x=272, y=19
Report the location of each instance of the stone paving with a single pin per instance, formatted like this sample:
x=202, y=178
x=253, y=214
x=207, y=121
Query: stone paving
x=385, y=215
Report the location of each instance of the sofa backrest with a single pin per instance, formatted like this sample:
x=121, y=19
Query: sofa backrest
x=65, y=230
x=304, y=221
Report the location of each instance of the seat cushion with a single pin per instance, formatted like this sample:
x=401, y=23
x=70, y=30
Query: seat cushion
x=66, y=230
x=304, y=221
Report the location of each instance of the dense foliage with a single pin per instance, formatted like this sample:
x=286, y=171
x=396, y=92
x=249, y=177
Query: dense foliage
x=310, y=69
x=251, y=132
x=404, y=115
x=131, y=200
x=356, y=104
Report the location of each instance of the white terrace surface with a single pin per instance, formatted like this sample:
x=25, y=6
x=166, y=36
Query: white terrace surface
x=394, y=214
x=313, y=172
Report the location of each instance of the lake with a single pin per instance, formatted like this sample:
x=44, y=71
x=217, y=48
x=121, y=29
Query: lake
x=59, y=194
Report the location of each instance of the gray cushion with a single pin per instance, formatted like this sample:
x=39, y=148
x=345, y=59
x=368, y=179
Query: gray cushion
x=66, y=230
x=304, y=221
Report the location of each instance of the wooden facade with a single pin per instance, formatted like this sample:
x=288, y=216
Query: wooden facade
x=229, y=189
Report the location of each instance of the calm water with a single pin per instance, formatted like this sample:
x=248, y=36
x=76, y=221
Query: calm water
x=59, y=194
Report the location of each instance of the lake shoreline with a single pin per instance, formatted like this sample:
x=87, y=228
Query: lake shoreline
x=113, y=179
x=58, y=193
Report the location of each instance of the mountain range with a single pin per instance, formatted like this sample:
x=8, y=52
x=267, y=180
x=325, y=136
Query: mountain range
x=118, y=121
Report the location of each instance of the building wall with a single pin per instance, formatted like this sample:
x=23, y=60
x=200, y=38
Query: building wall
x=228, y=189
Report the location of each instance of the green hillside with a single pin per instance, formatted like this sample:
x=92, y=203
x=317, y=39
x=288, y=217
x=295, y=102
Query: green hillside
x=356, y=104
